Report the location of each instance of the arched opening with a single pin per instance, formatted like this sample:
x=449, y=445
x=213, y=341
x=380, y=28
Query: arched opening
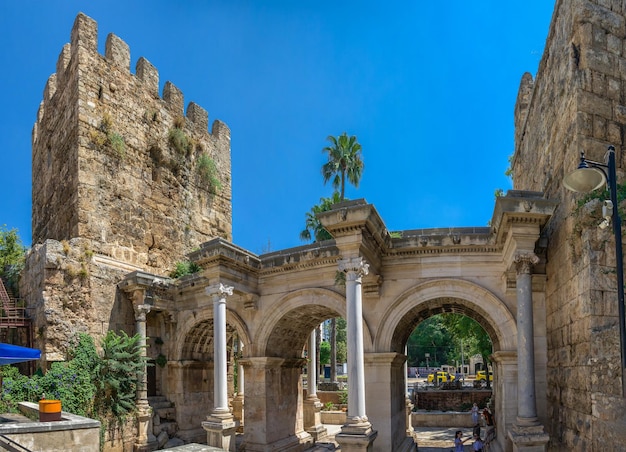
x=445, y=297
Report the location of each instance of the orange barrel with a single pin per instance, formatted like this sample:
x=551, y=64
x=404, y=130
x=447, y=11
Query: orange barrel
x=49, y=410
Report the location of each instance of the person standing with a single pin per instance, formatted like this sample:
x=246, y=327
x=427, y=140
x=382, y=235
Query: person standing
x=478, y=444
x=475, y=414
x=458, y=441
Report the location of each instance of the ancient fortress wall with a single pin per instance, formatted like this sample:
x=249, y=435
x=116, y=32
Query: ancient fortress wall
x=116, y=163
x=121, y=182
x=577, y=102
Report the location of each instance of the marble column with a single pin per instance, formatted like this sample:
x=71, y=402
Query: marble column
x=408, y=409
x=356, y=434
x=238, y=400
x=146, y=441
x=312, y=405
x=220, y=424
x=527, y=433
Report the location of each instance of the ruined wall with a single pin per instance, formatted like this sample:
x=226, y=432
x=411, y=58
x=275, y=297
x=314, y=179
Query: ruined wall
x=123, y=179
x=577, y=103
x=115, y=163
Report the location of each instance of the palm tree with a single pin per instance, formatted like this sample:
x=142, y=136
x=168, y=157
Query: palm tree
x=344, y=161
x=313, y=228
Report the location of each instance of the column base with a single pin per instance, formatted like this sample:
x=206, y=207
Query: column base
x=408, y=410
x=146, y=441
x=221, y=430
x=238, y=403
x=313, y=418
x=356, y=436
x=528, y=435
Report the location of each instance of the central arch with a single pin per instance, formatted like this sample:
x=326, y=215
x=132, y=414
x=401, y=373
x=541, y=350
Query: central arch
x=446, y=295
x=413, y=306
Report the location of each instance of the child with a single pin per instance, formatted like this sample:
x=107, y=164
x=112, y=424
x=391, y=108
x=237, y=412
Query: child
x=458, y=442
x=478, y=444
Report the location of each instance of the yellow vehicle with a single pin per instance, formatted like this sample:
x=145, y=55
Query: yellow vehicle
x=442, y=377
x=481, y=375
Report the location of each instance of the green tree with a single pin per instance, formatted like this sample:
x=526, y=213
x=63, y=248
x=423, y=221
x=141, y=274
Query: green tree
x=12, y=253
x=432, y=337
x=471, y=333
x=344, y=162
x=313, y=229
x=121, y=367
x=324, y=352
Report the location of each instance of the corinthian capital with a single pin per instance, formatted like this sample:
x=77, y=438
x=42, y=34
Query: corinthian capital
x=140, y=311
x=219, y=290
x=355, y=265
x=524, y=262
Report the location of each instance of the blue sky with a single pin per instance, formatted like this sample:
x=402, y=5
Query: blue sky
x=428, y=90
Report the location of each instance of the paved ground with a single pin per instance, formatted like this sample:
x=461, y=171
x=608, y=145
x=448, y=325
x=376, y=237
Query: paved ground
x=430, y=439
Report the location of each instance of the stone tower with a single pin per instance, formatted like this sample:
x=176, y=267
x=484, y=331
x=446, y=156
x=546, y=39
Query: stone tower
x=577, y=102
x=123, y=179
x=115, y=163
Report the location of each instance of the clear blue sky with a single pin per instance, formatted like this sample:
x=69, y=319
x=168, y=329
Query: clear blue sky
x=429, y=90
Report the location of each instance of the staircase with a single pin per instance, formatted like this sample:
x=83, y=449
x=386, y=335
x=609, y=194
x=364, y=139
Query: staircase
x=164, y=425
x=11, y=315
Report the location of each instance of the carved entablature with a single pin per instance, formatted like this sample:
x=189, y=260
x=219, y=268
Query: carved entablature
x=220, y=251
x=141, y=287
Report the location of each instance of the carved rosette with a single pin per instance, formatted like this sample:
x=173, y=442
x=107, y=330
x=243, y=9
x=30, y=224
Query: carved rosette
x=354, y=268
x=524, y=262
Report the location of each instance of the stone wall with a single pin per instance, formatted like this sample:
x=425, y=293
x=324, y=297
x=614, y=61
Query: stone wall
x=122, y=181
x=69, y=291
x=577, y=103
x=116, y=163
x=450, y=400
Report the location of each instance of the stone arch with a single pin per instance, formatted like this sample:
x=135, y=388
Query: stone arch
x=292, y=318
x=202, y=322
x=446, y=295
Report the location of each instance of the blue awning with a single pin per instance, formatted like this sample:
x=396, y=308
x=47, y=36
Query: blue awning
x=10, y=354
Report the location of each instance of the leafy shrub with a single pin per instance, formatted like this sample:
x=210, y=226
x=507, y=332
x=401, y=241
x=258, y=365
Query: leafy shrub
x=343, y=396
x=180, y=141
x=102, y=387
x=122, y=363
x=207, y=170
x=185, y=268
x=116, y=141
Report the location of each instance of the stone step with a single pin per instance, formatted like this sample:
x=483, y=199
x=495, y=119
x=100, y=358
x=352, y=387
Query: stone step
x=193, y=435
x=161, y=404
x=167, y=413
x=195, y=448
x=169, y=427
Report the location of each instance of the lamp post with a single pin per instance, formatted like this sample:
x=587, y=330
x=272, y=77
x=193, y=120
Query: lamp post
x=588, y=177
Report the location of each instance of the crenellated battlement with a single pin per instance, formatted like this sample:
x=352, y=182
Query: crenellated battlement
x=117, y=163
x=84, y=37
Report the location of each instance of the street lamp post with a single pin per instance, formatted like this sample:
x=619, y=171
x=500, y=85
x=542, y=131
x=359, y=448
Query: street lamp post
x=588, y=177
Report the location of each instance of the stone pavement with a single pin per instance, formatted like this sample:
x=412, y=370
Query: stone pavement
x=439, y=439
x=430, y=439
